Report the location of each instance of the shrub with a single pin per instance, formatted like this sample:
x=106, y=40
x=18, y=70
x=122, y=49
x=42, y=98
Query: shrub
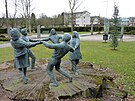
x=4, y=38
x=132, y=32
x=68, y=29
x=2, y=31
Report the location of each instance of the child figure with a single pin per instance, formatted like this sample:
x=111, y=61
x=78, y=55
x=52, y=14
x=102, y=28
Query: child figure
x=21, y=59
x=30, y=53
x=53, y=37
x=75, y=56
x=61, y=49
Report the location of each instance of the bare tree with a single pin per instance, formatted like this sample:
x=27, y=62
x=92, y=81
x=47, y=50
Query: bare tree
x=7, y=20
x=74, y=5
x=92, y=21
x=2, y=21
x=26, y=7
x=15, y=7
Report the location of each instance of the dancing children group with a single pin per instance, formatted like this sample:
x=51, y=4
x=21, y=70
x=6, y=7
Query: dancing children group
x=22, y=52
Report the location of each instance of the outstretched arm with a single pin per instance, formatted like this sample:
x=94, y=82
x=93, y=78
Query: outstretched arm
x=36, y=40
x=52, y=46
x=22, y=43
x=46, y=39
x=33, y=40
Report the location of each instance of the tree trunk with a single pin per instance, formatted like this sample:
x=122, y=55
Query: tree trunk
x=92, y=29
x=72, y=21
x=7, y=22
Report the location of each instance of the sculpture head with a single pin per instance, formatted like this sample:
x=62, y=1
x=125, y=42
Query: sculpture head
x=14, y=33
x=75, y=34
x=24, y=31
x=53, y=32
x=66, y=37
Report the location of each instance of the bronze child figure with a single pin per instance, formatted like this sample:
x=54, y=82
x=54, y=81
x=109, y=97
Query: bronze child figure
x=75, y=56
x=30, y=53
x=61, y=49
x=53, y=37
x=21, y=59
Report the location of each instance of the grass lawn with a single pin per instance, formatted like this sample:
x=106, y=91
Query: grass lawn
x=1, y=42
x=80, y=32
x=121, y=61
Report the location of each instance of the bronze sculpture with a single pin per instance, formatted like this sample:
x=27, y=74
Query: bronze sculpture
x=75, y=56
x=21, y=59
x=61, y=49
x=30, y=53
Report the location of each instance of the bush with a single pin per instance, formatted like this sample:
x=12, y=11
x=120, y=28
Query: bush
x=4, y=38
x=68, y=29
x=2, y=31
x=132, y=32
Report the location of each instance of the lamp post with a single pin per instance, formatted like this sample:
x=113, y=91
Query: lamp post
x=106, y=24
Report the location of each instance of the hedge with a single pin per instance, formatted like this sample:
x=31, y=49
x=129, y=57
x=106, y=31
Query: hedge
x=2, y=31
x=68, y=29
x=4, y=39
x=127, y=30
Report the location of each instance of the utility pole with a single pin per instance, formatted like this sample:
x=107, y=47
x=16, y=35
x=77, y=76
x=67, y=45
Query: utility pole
x=106, y=24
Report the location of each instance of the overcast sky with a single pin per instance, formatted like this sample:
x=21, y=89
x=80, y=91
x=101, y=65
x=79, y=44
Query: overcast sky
x=95, y=7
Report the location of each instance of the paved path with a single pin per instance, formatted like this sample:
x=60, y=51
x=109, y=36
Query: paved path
x=5, y=45
x=83, y=37
x=89, y=37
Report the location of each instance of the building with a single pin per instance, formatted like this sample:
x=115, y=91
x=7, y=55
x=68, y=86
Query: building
x=132, y=21
x=125, y=21
x=79, y=19
x=129, y=21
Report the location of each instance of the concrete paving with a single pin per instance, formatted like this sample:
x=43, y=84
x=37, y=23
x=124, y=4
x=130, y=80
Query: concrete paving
x=100, y=37
x=83, y=37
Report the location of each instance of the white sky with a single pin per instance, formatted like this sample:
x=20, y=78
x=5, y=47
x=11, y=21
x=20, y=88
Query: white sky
x=95, y=7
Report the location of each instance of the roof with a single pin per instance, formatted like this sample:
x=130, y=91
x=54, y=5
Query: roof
x=125, y=19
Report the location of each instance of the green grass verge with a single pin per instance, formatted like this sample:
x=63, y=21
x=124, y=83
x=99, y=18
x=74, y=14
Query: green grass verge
x=2, y=42
x=80, y=32
x=121, y=60
x=6, y=54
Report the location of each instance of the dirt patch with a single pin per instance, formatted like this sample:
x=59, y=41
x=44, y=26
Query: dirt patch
x=92, y=84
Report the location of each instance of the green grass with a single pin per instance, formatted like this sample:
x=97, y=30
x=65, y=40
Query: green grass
x=84, y=32
x=2, y=42
x=121, y=60
x=6, y=54
x=80, y=32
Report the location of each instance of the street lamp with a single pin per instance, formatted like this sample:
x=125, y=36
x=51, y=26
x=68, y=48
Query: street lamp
x=106, y=24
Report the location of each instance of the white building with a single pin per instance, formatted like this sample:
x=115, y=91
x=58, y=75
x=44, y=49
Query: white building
x=80, y=19
x=125, y=21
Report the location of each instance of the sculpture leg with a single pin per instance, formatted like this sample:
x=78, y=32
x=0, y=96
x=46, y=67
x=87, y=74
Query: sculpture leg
x=22, y=71
x=25, y=71
x=51, y=75
x=33, y=59
x=74, y=67
x=73, y=62
x=77, y=61
x=62, y=71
